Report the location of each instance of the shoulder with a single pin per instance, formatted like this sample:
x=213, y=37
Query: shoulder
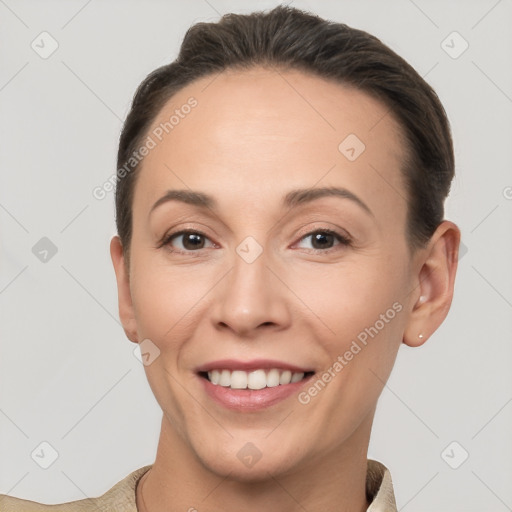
x=120, y=498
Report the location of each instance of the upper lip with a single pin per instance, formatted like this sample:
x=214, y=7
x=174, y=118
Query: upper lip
x=253, y=364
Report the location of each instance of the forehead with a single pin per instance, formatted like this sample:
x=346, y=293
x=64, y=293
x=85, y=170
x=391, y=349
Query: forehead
x=264, y=131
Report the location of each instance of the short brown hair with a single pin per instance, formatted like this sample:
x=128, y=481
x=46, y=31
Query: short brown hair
x=290, y=38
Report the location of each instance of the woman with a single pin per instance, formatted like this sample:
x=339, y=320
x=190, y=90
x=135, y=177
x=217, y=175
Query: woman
x=279, y=206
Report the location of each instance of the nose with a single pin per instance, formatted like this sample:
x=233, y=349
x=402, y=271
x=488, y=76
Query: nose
x=251, y=297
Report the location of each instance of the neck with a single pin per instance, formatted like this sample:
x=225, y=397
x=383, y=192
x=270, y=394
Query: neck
x=179, y=481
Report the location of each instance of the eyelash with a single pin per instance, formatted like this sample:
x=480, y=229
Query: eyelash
x=343, y=239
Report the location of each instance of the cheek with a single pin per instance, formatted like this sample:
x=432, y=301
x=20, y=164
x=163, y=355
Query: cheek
x=346, y=299
x=163, y=300
x=166, y=298
x=358, y=322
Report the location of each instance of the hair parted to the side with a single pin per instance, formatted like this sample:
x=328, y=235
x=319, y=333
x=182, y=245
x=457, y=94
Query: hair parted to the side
x=289, y=38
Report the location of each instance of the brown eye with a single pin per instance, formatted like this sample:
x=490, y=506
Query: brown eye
x=190, y=240
x=325, y=239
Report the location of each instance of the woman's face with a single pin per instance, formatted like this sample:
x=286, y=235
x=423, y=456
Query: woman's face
x=261, y=285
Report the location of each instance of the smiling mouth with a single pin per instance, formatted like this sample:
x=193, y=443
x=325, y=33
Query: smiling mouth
x=252, y=380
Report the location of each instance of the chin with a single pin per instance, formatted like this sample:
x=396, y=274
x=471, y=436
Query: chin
x=245, y=462
x=261, y=471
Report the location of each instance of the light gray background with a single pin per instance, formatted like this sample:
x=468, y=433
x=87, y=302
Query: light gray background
x=69, y=375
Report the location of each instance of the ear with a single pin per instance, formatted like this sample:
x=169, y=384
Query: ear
x=126, y=312
x=435, y=284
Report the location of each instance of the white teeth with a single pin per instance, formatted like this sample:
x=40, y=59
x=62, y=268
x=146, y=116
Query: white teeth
x=225, y=378
x=238, y=380
x=286, y=377
x=256, y=379
x=215, y=376
x=273, y=378
x=297, y=376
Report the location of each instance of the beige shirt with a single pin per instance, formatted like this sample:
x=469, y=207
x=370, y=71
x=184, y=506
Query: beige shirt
x=121, y=497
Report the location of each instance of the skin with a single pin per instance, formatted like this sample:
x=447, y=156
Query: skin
x=291, y=303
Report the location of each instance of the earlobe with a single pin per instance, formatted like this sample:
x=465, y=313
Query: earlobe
x=126, y=311
x=435, y=285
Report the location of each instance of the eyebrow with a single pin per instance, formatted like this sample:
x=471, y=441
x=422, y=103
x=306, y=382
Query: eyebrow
x=292, y=199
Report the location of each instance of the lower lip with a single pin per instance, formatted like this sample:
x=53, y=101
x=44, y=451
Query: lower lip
x=251, y=399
